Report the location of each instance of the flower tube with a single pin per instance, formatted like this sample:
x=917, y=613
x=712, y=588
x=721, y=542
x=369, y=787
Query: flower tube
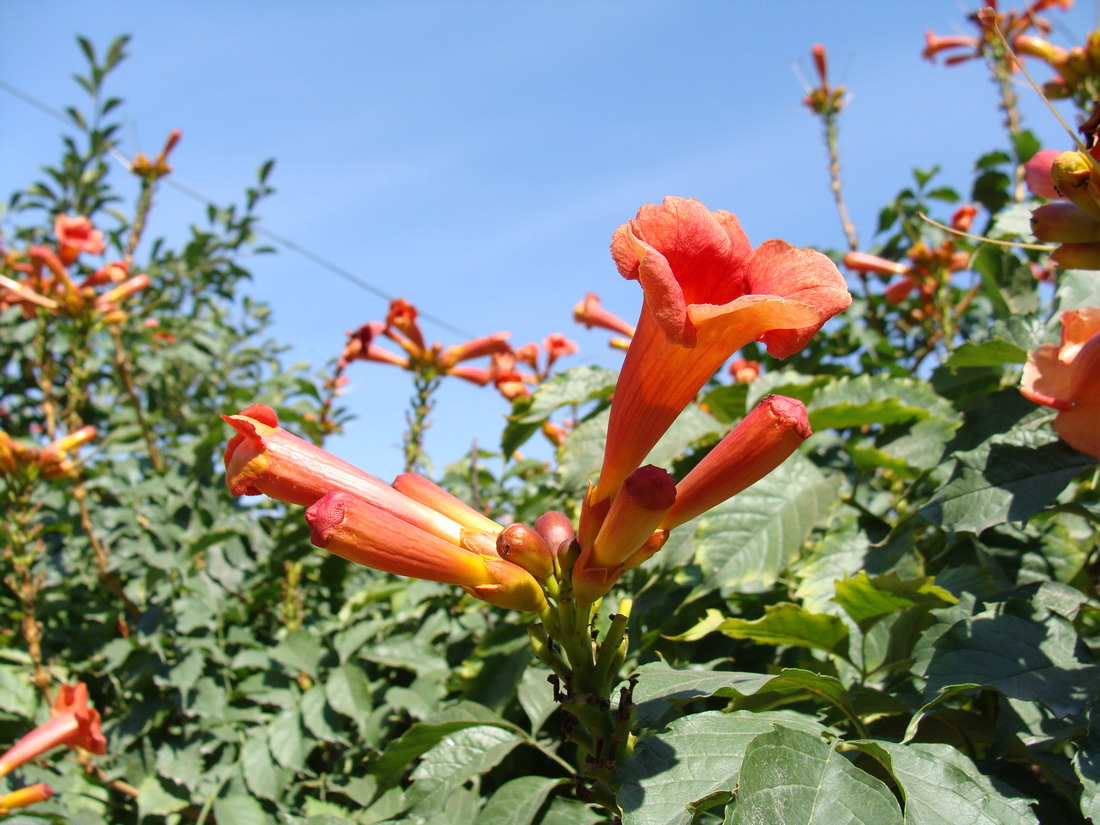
x=592, y=314
x=763, y=440
x=707, y=293
x=360, y=532
x=25, y=796
x=72, y=723
x=264, y=458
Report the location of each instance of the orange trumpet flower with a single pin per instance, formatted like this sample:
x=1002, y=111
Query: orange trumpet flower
x=707, y=293
x=1067, y=378
x=72, y=723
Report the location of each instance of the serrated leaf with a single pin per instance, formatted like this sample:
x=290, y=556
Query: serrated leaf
x=868, y=600
x=744, y=544
x=991, y=353
x=942, y=787
x=564, y=811
x=518, y=801
x=300, y=652
x=348, y=691
x=582, y=454
x=286, y=740
x=661, y=686
x=1086, y=764
x=791, y=624
x=258, y=768
x=317, y=715
x=154, y=800
x=457, y=758
x=789, y=777
x=1010, y=477
x=573, y=386
x=423, y=736
x=697, y=757
x=1024, y=653
x=240, y=808
x=866, y=399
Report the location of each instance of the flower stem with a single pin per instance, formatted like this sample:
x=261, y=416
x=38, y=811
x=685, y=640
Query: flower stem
x=586, y=672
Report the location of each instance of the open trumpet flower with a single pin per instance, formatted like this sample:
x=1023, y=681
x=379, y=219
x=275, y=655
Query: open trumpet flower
x=707, y=293
x=1067, y=378
x=72, y=723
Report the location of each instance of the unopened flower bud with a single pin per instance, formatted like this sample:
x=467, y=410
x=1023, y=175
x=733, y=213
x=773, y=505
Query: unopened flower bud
x=555, y=528
x=1077, y=256
x=1064, y=223
x=1072, y=174
x=635, y=512
x=1037, y=174
x=521, y=545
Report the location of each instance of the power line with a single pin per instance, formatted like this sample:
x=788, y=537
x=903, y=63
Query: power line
x=293, y=246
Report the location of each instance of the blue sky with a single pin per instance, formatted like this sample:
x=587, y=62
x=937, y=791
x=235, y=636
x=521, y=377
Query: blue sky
x=475, y=157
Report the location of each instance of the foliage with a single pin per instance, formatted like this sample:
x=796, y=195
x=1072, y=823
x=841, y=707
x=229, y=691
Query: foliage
x=897, y=625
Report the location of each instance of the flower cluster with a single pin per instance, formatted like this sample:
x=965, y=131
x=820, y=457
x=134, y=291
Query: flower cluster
x=823, y=99
x=151, y=170
x=1067, y=378
x=72, y=723
x=1013, y=24
x=1077, y=69
x=927, y=270
x=50, y=462
x=402, y=328
x=40, y=278
x=706, y=293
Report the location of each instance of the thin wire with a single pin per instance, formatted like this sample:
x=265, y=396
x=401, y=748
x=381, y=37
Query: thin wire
x=305, y=252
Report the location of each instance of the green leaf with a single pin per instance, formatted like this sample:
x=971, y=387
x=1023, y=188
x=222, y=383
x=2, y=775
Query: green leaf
x=423, y=736
x=868, y=600
x=784, y=624
x=535, y=695
x=564, y=811
x=240, y=808
x=1010, y=477
x=1077, y=288
x=698, y=757
x=744, y=544
x=518, y=801
x=154, y=800
x=258, y=768
x=574, y=386
x=582, y=454
x=661, y=686
x=1006, y=279
x=450, y=763
x=727, y=403
x=1024, y=653
x=941, y=786
x=300, y=652
x=286, y=740
x=581, y=457
x=348, y=691
x=991, y=353
x=856, y=402
x=789, y=777
x=1086, y=764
